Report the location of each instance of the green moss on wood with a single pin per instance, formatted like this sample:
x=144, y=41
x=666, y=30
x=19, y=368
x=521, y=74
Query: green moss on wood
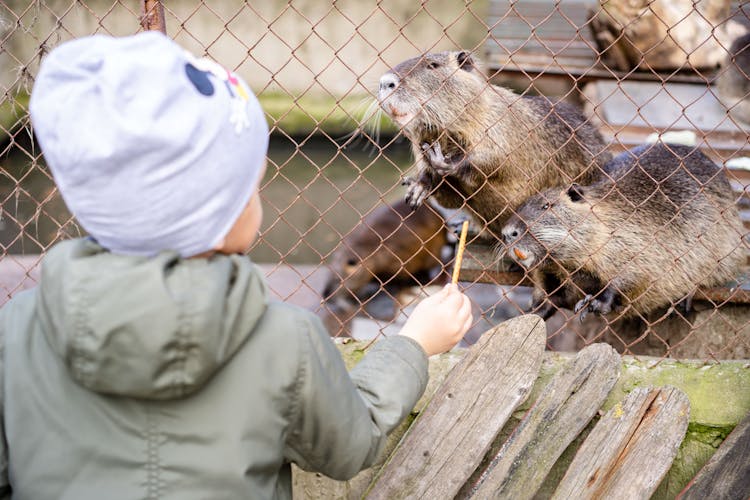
x=708, y=435
x=719, y=396
x=716, y=400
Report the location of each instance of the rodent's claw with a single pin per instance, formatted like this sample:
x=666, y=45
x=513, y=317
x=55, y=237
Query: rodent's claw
x=409, y=201
x=591, y=305
x=433, y=149
x=422, y=197
x=437, y=159
x=686, y=304
x=416, y=195
x=583, y=306
x=599, y=307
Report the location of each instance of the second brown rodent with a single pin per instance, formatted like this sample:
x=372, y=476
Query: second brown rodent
x=661, y=223
x=392, y=245
x=479, y=146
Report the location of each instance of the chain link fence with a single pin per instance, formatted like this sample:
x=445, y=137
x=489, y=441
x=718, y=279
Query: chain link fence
x=338, y=237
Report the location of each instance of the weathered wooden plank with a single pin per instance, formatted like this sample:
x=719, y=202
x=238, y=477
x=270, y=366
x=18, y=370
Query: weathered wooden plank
x=727, y=474
x=719, y=399
x=448, y=440
x=630, y=449
x=563, y=409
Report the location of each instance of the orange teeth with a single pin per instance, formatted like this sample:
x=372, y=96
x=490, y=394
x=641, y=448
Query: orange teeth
x=519, y=254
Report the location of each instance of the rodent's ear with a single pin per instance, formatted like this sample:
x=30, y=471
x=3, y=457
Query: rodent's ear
x=575, y=192
x=465, y=61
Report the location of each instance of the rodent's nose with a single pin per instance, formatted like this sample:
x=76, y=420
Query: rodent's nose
x=510, y=233
x=388, y=82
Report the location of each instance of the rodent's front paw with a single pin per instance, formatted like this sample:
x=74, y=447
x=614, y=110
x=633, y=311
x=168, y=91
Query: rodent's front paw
x=589, y=304
x=408, y=181
x=416, y=194
x=437, y=160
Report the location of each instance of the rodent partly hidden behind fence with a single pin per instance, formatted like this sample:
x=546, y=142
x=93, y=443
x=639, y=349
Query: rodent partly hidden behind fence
x=392, y=247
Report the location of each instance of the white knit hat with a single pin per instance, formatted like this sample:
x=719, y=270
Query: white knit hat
x=151, y=148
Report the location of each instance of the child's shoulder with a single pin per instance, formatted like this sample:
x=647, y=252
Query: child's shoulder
x=289, y=336
x=18, y=311
x=290, y=321
x=294, y=329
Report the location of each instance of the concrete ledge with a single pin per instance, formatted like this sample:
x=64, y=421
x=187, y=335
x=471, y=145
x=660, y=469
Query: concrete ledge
x=719, y=396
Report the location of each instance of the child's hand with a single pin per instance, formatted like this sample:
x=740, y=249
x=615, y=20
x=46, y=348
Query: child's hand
x=440, y=320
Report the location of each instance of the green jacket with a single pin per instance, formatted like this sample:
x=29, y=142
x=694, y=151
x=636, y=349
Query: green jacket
x=127, y=377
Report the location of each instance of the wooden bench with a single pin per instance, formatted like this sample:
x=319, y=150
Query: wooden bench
x=727, y=473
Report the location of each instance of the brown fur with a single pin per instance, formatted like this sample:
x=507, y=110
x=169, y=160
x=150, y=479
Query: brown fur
x=733, y=82
x=664, y=223
x=501, y=147
x=663, y=34
x=393, y=244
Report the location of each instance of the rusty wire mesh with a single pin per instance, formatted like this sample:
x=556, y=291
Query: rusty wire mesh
x=335, y=224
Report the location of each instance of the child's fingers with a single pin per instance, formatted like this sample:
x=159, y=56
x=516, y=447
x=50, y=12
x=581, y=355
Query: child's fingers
x=467, y=324
x=446, y=296
x=449, y=290
x=463, y=300
x=465, y=310
x=440, y=296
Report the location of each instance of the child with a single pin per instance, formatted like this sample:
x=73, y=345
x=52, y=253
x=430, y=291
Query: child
x=149, y=362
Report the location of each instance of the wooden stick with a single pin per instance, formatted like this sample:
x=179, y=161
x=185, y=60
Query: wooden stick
x=460, y=252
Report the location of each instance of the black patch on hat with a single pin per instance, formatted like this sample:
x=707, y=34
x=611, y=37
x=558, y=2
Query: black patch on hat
x=199, y=79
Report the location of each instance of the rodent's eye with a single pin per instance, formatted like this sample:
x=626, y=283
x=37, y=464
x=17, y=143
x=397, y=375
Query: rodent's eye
x=433, y=65
x=545, y=206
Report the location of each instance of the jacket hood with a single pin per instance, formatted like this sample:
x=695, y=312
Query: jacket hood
x=154, y=328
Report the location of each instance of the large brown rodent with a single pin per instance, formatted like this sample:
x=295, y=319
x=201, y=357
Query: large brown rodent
x=482, y=147
x=664, y=223
x=392, y=245
x=733, y=81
